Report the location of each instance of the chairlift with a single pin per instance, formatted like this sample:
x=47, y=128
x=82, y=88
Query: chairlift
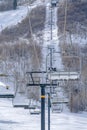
x=53, y=95
x=6, y=95
x=20, y=105
x=57, y=104
x=59, y=101
x=57, y=107
x=35, y=111
x=29, y=107
x=54, y=3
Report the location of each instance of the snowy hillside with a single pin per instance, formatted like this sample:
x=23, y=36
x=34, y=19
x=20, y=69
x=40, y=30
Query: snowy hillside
x=10, y=18
x=12, y=118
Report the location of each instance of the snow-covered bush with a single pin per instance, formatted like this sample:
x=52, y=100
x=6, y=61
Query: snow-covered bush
x=18, y=58
x=24, y=2
x=76, y=13
x=70, y=56
x=77, y=90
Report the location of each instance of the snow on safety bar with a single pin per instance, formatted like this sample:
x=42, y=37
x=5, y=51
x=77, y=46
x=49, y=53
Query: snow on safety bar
x=63, y=75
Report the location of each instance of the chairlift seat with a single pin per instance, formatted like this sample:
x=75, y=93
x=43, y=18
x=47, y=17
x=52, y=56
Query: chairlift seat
x=20, y=105
x=35, y=112
x=6, y=95
x=56, y=108
x=59, y=102
x=54, y=3
x=29, y=107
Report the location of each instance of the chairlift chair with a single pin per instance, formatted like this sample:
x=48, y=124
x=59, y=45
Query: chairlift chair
x=6, y=95
x=53, y=3
x=35, y=111
x=20, y=105
x=30, y=107
x=57, y=107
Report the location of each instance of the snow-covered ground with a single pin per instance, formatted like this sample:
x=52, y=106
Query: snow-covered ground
x=51, y=37
x=19, y=118
x=13, y=17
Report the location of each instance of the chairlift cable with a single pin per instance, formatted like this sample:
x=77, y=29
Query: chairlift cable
x=15, y=94
x=32, y=38
x=65, y=21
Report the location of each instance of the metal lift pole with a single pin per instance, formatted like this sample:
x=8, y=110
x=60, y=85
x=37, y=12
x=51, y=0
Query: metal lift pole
x=51, y=58
x=51, y=51
x=14, y=4
x=42, y=107
x=54, y=76
x=48, y=111
x=51, y=22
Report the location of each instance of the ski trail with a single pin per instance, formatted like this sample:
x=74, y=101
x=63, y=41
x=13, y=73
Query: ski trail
x=52, y=40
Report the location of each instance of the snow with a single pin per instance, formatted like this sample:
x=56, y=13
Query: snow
x=77, y=39
x=20, y=100
x=2, y=84
x=12, y=17
x=3, y=89
x=51, y=39
x=66, y=121
x=18, y=118
x=21, y=119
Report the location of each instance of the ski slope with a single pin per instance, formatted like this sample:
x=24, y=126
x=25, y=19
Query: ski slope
x=10, y=18
x=13, y=17
x=19, y=118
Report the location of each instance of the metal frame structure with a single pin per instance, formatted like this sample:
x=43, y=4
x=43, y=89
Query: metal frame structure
x=20, y=105
x=43, y=83
x=7, y=96
x=63, y=75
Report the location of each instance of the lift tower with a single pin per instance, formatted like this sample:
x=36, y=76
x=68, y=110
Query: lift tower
x=14, y=4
